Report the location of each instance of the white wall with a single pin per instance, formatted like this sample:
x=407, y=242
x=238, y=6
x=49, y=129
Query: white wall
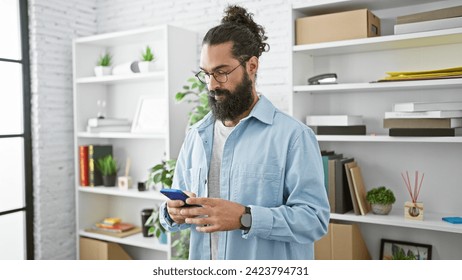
x=53, y=25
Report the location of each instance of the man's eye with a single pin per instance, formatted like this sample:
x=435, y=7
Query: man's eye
x=221, y=73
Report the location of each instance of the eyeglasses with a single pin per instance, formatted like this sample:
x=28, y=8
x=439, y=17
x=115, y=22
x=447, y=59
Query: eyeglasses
x=219, y=76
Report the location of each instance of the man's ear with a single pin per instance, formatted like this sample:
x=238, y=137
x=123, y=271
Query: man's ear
x=252, y=66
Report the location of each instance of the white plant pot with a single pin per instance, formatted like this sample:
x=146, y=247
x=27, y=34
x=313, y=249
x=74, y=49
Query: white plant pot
x=146, y=66
x=103, y=71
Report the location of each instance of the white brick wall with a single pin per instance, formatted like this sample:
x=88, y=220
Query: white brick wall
x=53, y=25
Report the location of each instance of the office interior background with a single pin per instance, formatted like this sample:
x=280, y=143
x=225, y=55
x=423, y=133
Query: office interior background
x=52, y=27
x=44, y=153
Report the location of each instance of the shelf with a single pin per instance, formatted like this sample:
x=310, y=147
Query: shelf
x=386, y=138
x=115, y=191
x=432, y=221
x=120, y=135
x=381, y=86
x=402, y=41
x=113, y=79
x=137, y=240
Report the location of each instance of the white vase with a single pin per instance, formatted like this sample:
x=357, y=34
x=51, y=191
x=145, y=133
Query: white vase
x=146, y=66
x=103, y=71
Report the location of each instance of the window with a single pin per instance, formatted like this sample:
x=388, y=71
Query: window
x=16, y=205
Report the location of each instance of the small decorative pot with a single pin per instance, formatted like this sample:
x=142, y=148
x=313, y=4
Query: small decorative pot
x=146, y=66
x=381, y=209
x=103, y=71
x=109, y=180
x=413, y=211
x=163, y=238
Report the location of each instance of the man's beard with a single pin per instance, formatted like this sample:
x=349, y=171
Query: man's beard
x=235, y=103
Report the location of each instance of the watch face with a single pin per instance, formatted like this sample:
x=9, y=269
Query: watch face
x=246, y=220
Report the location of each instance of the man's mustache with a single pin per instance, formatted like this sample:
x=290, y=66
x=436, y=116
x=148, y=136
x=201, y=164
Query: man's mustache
x=218, y=92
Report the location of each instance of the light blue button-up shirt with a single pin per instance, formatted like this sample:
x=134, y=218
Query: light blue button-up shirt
x=272, y=163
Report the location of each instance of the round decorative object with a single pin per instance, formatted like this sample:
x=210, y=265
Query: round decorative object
x=381, y=209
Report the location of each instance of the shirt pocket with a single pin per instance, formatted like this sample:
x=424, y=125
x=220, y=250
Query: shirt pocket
x=257, y=184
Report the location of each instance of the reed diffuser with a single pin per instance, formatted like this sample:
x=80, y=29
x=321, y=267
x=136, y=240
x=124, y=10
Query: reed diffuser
x=413, y=210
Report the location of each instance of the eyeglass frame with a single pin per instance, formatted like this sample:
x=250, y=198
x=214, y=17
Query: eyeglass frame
x=207, y=75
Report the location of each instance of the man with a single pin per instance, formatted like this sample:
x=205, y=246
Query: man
x=256, y=172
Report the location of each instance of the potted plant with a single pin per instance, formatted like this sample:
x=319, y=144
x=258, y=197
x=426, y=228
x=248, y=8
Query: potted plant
x=155, y=228
x=195, y=92
x=147, y=60
x=381, y=200
x=162, y=173
x=103, y=65
x=108, y=167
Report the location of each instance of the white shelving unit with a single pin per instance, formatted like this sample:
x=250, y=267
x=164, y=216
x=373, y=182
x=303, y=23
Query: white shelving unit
x=358, y=63
x=176, y=59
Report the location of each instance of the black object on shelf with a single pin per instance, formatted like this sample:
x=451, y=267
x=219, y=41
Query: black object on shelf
x=145, y=214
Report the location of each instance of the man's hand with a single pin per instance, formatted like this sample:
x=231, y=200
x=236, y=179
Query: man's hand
x=215, y=214
x=174, y=208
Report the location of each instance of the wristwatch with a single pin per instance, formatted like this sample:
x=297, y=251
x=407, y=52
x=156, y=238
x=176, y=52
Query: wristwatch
x=246, y=219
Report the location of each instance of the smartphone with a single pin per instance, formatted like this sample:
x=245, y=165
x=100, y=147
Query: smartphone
x=175, y=194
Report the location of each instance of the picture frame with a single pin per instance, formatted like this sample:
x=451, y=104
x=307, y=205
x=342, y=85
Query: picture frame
x=402, y=250
x=150, y=116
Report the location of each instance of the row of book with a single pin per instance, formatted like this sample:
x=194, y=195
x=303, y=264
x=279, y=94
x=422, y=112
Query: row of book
x=95, y=125
x=344, y=184
x=89, y=175
x=429, y=20
x=425, y=119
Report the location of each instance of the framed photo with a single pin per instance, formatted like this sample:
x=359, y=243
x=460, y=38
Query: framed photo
x=151, y=115
x=400, y=250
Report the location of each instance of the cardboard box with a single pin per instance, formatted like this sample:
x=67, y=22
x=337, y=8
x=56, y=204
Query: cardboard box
x=337, y=26
x=342, y=242
x=93, y=249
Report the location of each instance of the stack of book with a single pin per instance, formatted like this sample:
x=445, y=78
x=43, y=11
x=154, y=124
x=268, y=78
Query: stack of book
x=115, y=227
x=428, y=21
x=336, y=124
x=108, y=125
x=447, y=73
x=425, y=119
x=344, y=184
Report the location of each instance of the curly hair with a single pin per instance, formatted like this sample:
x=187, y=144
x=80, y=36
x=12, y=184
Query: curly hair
x=237, y=26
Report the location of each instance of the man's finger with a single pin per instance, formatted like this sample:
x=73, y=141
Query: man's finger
x=200, y=201
x=175, y=203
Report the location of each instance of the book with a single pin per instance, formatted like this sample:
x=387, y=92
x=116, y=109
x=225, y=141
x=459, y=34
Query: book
x=333, y=120
x=95, y=122
x=360, y=190
x=325, y=165
x=423, y=123
x=423, y=114
x=351, y=187
x=94, y=153
x=132, y=231
x=430, y=15
x=447, y=73
x=118, y=227
x=331, y=184
x=339, y=130
x=112, y=220
x=83, y=166
x=342, y=201
x=428, y=106
x=429, y=25
x=109, y=128
x=425, y=132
